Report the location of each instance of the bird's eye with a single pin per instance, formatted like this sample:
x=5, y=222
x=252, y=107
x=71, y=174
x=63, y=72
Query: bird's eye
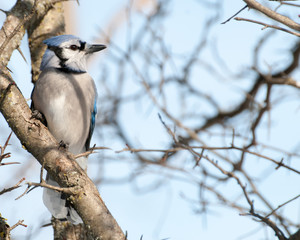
x=74, y=47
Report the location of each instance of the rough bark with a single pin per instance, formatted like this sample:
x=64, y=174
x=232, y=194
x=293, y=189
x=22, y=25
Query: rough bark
x=36, y=138
x=40, y=28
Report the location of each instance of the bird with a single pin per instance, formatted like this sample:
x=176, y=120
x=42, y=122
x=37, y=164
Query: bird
x=65, y=96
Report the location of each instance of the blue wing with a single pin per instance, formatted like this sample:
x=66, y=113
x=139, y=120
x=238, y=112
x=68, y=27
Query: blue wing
x=92, y=125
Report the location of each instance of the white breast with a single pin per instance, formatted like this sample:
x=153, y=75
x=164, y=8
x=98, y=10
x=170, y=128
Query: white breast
x=66, y=100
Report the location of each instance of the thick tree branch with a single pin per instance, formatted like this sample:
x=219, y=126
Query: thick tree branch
x=13, y=29
x=36, y=138
x=38, y=141
x=42, y=27
x=295, y=236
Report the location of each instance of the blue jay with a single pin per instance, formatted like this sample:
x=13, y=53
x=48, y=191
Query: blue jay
x=65, y=95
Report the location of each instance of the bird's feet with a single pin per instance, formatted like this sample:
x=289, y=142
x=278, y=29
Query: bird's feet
x=39, y=116
x=63, y=145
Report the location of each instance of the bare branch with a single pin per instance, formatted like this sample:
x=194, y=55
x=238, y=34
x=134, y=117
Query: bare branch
x=281, y=205
x=2, y=154
x=267, y=25
x=17, y=185
x=19, y=223
x=234, y=15
x=91, y=151
x=274, y=15
x=38, y=141
x=70, y=191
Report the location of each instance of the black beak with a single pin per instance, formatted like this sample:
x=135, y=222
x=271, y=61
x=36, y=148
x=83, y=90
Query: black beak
x=94, y=48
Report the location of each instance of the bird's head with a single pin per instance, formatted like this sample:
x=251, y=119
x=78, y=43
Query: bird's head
x=68, y=52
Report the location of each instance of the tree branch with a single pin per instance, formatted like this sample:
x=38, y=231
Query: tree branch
x=36, y=138
x=274, y=15
x=267, y=25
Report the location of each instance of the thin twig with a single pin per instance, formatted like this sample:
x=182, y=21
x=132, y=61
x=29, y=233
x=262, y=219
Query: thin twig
x=267, y=25
x=91, y=151
x=68, y=190
x=6, y=155
x=272, y=14
x=2, y=154
x=17, y=185
x=20, y=222
x=21, y=53
x=278, y=163
x=270, y=223
x=281, y=205
x=290, y=4
x=234, y=15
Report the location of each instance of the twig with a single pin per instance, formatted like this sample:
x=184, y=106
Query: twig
x=168, y=129
x=267, y=25
x=69, y=190
x=199, y=158
x=271, y=224
x=91, y=151
x=233, y=135
x=225, y=172
x=42, y=172
x=7, y=155
x=260, y=114
x=17, y=185
x=290, y=4
x=180, y=148
x=21, y=53
x=20, y=222
x=281, y=205
x=2, y=154
x=283, y=81
x=133, y=150
x=23, y=193
x=274, y=15
x=234, y=15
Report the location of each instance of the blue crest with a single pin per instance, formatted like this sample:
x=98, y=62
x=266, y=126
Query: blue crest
x=57, y=40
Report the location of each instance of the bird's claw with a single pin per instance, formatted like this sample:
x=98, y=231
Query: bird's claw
x=39, y=116
x=63, y=145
